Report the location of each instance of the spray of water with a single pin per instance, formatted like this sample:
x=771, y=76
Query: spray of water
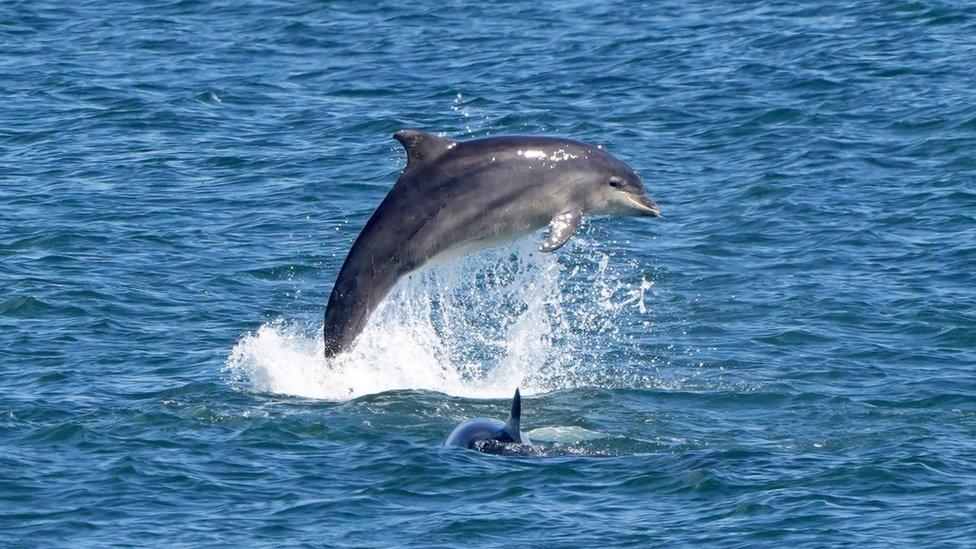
x=477, y=326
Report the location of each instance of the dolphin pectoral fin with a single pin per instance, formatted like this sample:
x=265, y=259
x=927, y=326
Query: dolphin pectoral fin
x=561, y=228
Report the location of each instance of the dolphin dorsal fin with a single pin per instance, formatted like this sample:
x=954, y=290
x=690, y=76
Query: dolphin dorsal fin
x=422, y=147
x=512, y=426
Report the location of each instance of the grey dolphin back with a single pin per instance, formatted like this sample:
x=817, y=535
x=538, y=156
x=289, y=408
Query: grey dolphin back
x=512, y=426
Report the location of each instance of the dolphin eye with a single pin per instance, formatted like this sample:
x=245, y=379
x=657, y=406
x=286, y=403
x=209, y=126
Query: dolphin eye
x=615, y=183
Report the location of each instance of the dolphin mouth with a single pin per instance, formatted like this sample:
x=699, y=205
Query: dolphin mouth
x=645, y=205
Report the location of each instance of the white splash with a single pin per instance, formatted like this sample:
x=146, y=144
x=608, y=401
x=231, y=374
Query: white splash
x=478, y=326
x=465, y=115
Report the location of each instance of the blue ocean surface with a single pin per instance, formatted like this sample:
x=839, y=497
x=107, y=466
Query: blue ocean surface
x=788, y=356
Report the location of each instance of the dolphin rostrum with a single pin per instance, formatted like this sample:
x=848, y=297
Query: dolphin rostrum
x=491, y=436
x=457, y=197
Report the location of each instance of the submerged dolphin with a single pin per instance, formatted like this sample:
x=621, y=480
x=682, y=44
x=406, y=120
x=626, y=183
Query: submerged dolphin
x=489, y=435
x=457, y=197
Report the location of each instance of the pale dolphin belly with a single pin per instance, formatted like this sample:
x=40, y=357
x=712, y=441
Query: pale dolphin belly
x=477, y=231
x=468, y=247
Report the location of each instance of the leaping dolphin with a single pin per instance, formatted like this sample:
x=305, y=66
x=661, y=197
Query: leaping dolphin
x=457, y=197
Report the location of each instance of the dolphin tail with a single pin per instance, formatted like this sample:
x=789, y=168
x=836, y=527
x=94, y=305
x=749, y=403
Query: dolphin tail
x=515, y=418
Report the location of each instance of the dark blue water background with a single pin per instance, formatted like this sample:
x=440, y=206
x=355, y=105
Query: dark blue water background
x=787, y=357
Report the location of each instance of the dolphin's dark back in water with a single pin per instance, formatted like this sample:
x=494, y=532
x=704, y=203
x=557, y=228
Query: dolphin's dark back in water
x=458, y=197
x=491, y=435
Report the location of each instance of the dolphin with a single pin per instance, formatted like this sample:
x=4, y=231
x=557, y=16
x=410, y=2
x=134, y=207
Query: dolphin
x=489, y=435
x=458, y=197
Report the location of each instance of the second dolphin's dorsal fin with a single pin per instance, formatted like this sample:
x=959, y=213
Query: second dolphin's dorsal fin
x=515, y=418
x=422, y=147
